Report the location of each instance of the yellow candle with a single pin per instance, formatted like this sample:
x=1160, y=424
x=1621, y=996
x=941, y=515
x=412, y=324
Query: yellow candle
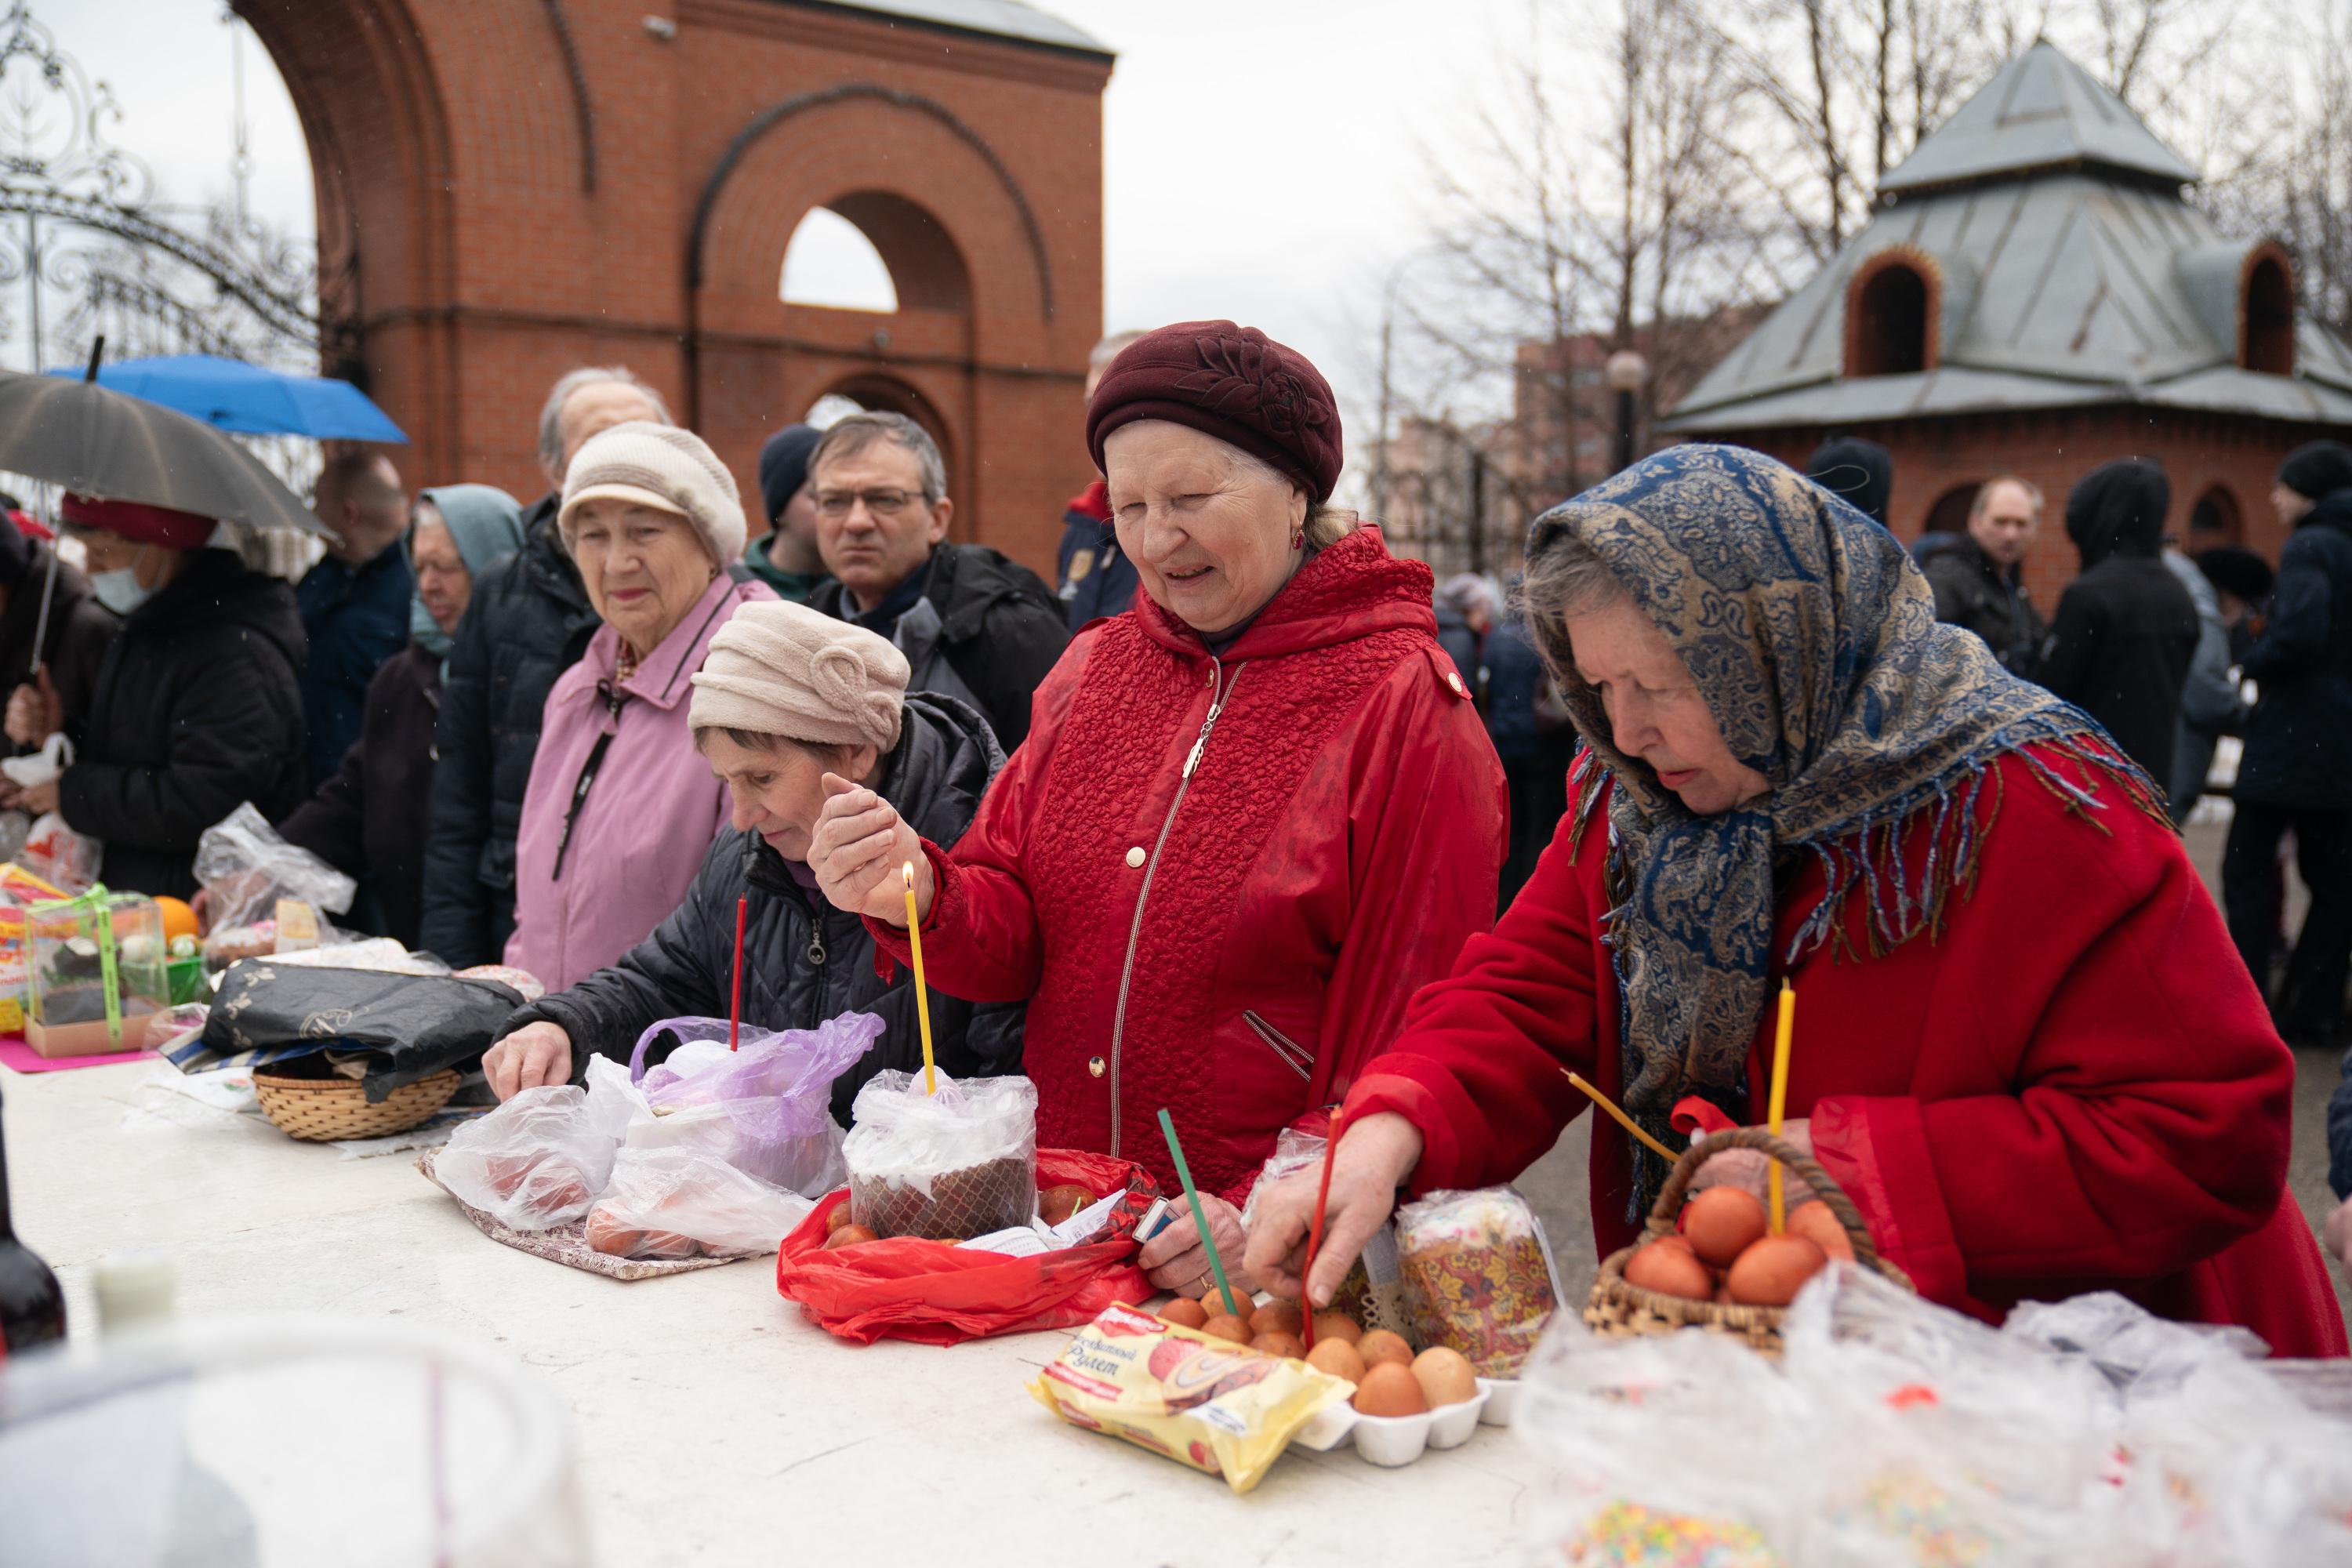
x=922, y=991
x=1787, y=1026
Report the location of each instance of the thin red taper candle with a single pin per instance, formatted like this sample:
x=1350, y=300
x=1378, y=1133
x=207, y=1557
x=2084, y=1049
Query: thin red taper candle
x=735, y=1004
x=1314, y=1236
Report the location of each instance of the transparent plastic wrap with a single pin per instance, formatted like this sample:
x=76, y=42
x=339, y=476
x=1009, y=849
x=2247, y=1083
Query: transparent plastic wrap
x=949, y=1166
x=539, y=1159
x=684, y=1202
x=246, y=867
x=58, y=854
x=764, y=1107
x=1478, y=1276
x=1893, y=1433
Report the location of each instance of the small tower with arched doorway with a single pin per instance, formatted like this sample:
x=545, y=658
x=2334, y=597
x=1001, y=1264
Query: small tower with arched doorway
x=2035, y=296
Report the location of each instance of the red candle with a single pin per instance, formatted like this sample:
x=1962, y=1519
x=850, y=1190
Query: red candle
x=735, y=1005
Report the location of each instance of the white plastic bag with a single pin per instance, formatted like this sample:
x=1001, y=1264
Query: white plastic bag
x=541, y=1159
x=766, y=1107
x=246, y=867
x=682, y=1203
x=58, y=855
x=949, y=1165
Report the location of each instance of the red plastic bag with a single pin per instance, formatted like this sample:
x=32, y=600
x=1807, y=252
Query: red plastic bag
x=938, y=1294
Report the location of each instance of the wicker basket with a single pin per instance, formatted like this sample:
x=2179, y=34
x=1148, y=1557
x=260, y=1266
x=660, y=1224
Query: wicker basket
x=321, y=1108
x=1617, y=1309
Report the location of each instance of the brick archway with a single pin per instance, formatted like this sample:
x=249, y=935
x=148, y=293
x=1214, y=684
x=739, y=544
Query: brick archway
x=507, y=191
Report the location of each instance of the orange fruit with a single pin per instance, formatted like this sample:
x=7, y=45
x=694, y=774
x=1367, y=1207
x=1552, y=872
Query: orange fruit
x=179, y=921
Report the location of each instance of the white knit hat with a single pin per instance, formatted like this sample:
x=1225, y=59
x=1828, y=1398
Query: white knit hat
x=661, y=466
x=778, y=668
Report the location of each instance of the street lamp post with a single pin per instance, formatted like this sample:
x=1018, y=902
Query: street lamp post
x=1626, y=370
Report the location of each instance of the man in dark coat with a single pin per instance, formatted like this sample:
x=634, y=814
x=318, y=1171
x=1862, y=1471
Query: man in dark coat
x=529, y=622
x=2125, y=628
x=1980, y=577
x=198, y=705
x=75, y=644
x=1530, y=730
x=803, y=961
x=973, y=623
x=2296, y=769
x=354, y=603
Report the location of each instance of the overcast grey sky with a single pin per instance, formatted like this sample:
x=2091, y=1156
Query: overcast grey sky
x=1261, y=156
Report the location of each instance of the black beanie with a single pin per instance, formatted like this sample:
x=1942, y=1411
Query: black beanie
x=783, y=467
x=1860, y=472
x=2316, y=468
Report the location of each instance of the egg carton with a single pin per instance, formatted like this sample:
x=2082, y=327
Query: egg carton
x=1393, y=1440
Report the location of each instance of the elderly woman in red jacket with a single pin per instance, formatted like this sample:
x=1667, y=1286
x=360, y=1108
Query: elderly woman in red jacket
x=2021, y=1046
x=1252, y=815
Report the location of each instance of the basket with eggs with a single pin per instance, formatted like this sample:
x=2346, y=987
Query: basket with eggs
x=1714, y=1261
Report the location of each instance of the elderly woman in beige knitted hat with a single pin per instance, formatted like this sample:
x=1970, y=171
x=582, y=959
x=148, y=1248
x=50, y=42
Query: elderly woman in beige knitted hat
x=786, y=696
x=619, y=809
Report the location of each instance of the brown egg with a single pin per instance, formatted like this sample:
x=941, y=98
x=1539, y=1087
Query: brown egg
x=1275, y=1343
x=1055, y=1205
x=1669, y=1271
x=849, y=1235
x=1336, y=1326
x=1337, y=1357
x=1183, y=1311
x=1225, y=1326
x=839, y=1217
x=1446, y=1376
x=1379, y=1345
x=1721, y=1222
x=1389, y=1389
x=1813, y=1220
x=1214, y=1299
x=1771, y=1272
x=1275, y=1318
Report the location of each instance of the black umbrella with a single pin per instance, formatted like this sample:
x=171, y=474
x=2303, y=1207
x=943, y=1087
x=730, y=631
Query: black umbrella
x=104, y=445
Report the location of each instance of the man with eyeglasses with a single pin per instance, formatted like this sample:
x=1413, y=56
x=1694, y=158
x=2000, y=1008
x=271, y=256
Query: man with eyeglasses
x=973, y=624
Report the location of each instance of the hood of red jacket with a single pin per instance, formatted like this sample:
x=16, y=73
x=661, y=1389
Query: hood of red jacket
x=1093, y=501
x=1351, y=590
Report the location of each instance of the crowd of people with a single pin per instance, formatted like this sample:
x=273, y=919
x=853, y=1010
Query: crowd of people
x=1220, y=822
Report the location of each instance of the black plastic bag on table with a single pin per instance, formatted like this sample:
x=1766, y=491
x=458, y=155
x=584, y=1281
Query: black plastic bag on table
x=415, y=1025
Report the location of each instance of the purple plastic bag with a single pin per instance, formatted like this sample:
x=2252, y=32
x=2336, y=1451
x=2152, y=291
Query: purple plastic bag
x=766, y=1107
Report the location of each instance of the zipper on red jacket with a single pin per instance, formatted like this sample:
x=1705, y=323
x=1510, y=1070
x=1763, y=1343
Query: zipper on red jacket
x=1225, y=691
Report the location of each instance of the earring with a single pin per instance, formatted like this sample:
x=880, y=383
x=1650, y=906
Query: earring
x=1298, y=538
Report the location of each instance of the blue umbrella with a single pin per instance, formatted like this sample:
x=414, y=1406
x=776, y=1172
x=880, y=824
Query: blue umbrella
x=231, y=394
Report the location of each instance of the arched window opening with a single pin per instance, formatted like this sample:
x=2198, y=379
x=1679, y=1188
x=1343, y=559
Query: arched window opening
x=871, y=250
x=1950, y=512
x=2268, y=311
x=831, y=263
x=2214, y=520
x=1888, y=332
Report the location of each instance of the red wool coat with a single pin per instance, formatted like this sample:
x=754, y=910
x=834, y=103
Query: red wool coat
x=1220, y=880
x=2074, y=1087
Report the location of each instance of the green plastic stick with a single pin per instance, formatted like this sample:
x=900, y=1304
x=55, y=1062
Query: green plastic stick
x=1200, y=1215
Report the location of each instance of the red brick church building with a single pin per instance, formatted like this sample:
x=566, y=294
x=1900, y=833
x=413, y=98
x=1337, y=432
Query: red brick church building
x=2035, y=295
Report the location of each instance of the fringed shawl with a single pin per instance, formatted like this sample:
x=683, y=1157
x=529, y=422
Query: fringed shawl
x=1813, y=639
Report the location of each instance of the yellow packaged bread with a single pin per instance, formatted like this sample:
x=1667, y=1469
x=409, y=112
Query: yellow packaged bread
x=1216, y=1407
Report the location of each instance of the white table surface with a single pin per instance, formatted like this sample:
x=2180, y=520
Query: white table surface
x=715, y=1425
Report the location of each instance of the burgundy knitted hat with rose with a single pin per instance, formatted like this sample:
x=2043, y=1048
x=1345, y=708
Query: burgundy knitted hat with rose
x=1232, y=383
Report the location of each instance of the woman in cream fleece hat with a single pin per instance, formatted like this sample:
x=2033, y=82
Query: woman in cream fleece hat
x=619, y=809
x=787, y=695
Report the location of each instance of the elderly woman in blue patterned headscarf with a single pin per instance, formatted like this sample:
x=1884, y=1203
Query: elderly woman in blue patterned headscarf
x=368, y=819
x=2022, y=1046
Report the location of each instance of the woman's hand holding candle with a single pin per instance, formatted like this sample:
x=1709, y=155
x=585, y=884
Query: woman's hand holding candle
x=1748, y=1168
x=1374, y=1157
x=857, y=851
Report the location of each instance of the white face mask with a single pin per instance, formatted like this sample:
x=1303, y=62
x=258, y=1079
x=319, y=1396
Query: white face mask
x=119, y=590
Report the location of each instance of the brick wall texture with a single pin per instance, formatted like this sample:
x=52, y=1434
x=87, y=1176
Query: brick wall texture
x=509, y=188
